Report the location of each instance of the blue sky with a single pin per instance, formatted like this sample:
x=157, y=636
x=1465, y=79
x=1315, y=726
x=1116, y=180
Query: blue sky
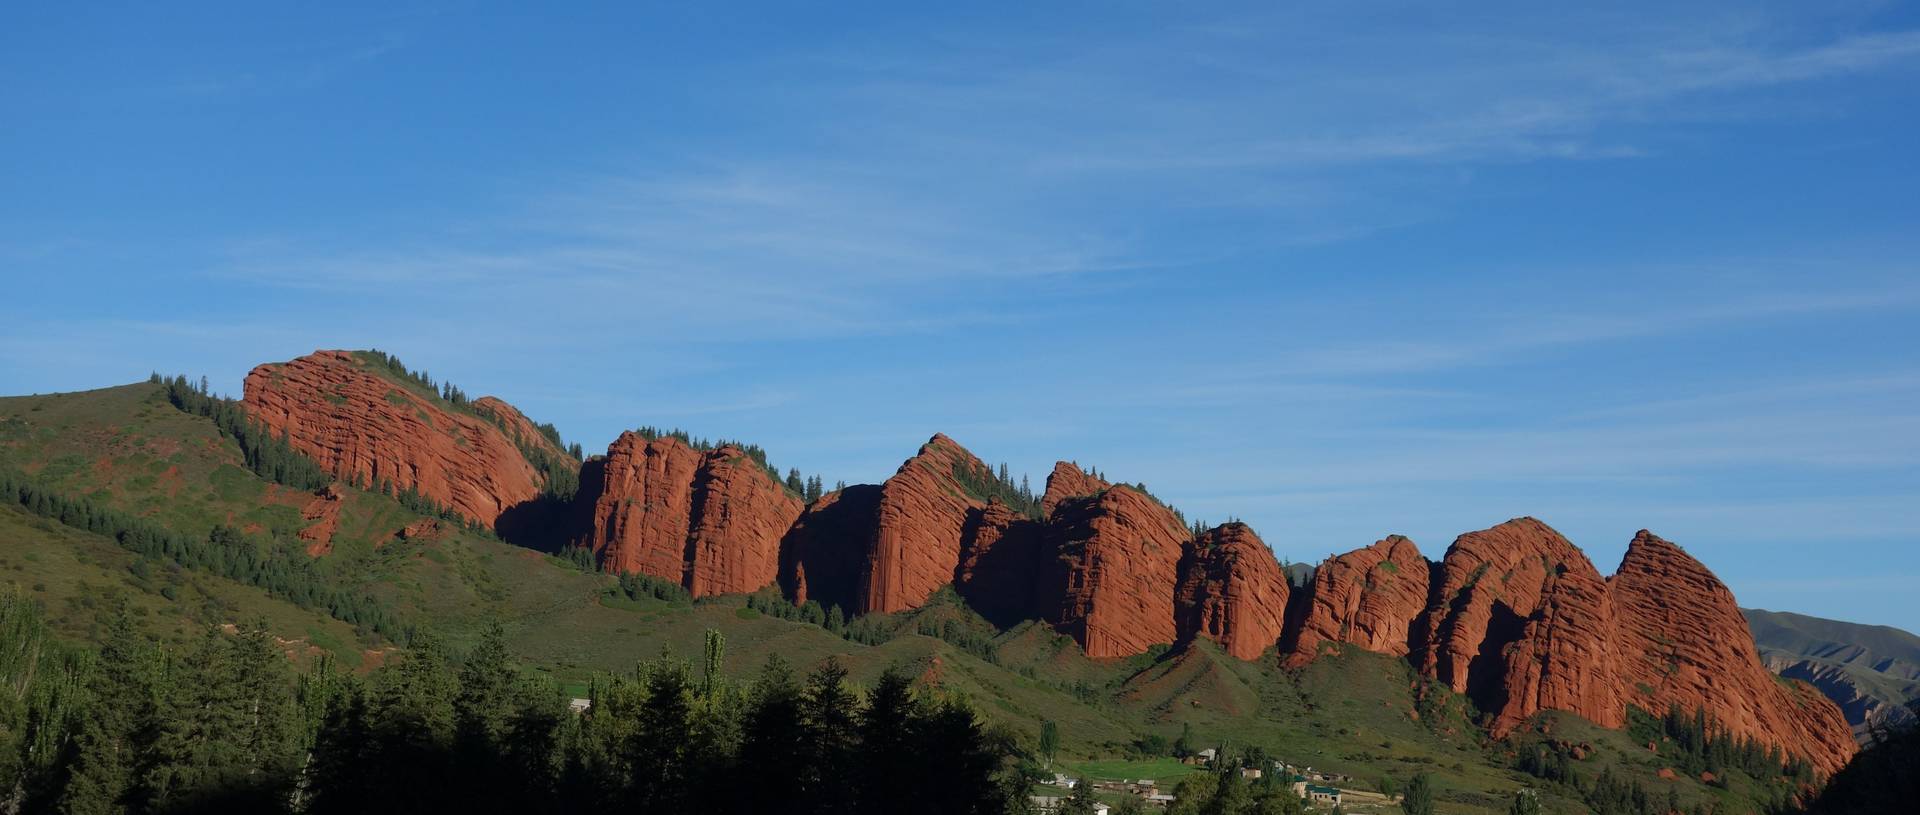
x=1339, y=270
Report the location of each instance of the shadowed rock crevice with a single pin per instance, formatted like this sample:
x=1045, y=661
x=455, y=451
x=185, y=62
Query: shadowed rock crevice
x=1487, y=671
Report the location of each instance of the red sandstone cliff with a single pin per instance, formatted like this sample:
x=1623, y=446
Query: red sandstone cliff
x=711, y=521
x=359, y=424
x=1232, y=591
x=1068, y=481
x=1370, y=598
x=1680, y=634
x=1114, y=578
x=922, y=513
x=1521, y=622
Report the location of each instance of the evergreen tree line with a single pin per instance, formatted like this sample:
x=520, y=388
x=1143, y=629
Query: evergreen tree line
x=986, y=484
x=1706, y=746
x=267, y=455
x=808, y=489
x=279, y=567
x=1696, y=744
x=225, y=726
x=215, y=727
x=866, y=629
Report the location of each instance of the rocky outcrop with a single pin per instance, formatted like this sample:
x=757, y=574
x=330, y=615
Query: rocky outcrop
x=1069, y=481
x=1003, y=558
x=922, y=514
x=643, y=512
x=1118, y=561
x=1231, y=590
x=362, y=426
x=823, y=554
x=322, y=516
x=1371, y=598
x=711, y=520
x=1490, y=583
x=1682, y=640
x=740, y=515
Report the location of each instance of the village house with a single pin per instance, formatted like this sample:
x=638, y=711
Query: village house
x=1314, y=793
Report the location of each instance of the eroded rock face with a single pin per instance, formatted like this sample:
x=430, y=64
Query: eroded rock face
x=922, y=513
x=711, y=521
x=1117, y=564
x=1491, y=582
x=322, y=516
x=1683, y=640
x=1231, y=591
x=1003, y=560
x=823, y=554
x=1372, y=598
x=1069, y=481
x=1518, y=619
x=360, y=425
x=740, y=515
x=643, y=513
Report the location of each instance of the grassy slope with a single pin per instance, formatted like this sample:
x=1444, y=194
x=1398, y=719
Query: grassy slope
x=1351, y=713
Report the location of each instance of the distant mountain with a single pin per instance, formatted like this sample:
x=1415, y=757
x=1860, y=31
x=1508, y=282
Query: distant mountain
x=1871, y=671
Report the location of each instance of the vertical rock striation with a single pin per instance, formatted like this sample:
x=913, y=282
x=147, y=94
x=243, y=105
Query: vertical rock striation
x=1231, y=590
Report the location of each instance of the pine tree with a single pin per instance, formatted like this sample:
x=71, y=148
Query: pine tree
x=828, y=708
x=775, y=740
x=886, y=757
x=117, y=727
x=658, y=749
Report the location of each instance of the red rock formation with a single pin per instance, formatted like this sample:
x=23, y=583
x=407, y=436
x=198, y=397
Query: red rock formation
x=1522, y=622
x=1068, y=481
x=922, y=513
x=1119, y=558
x=322, y=515
x=644, y=509
x=1564, y=657
x=359, y=424
x=522, y=429
x=1371, y=598
x=1491, y=582
x=1682, y=640
x=1232, y=591
x=740, y=515
x=823, y=554
x=1002, y=561
x=423, y=529
x=711, y=521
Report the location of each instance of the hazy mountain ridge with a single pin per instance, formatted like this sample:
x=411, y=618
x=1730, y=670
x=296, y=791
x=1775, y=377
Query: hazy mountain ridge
x=1871, y=671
